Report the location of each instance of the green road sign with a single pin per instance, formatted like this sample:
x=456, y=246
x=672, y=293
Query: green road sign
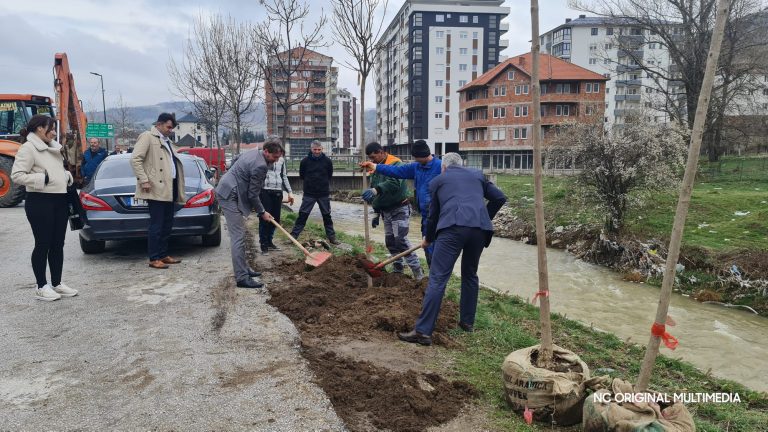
x=100, y=130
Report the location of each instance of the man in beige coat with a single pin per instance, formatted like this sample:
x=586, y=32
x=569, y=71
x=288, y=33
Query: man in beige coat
x=160, y=181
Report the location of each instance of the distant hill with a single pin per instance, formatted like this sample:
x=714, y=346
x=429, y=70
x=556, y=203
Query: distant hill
x=144, y=116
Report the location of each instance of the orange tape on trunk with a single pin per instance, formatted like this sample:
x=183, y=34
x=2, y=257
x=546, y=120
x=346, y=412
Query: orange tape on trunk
x=660, y=330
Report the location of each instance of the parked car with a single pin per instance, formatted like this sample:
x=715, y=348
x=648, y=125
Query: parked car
x=112, y=212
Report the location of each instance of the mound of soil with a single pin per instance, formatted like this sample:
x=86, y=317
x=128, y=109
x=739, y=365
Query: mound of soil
x=368, y=397
x=332, y=303
x=333, y=300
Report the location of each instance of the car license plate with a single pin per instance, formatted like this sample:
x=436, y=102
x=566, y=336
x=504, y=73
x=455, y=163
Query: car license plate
x=136, y=202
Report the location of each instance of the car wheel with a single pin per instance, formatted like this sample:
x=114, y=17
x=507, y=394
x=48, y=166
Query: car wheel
x=212, y=239
x=92, y=246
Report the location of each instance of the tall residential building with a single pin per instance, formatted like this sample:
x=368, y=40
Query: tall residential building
x=604, y=45
x=496, y=109
x=311, y=119
x=346, y=138
x=433, y=48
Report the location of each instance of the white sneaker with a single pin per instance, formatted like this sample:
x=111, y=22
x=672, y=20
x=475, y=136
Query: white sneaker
x=65, y=291
x=46, y=293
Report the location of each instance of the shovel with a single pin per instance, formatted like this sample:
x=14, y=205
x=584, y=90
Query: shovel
x=313, y=259
x=375, y=270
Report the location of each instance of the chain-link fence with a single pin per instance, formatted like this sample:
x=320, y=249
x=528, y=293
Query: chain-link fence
x=737, y=169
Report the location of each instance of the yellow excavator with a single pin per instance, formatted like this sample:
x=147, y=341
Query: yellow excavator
x=17, y=109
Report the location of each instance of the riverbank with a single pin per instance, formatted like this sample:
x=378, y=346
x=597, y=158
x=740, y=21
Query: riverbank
x=724, y=256
x=358, y=327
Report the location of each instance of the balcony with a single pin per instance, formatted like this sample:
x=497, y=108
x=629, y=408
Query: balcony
x=629, y=82
x=627, y=68
x=504, y=27
x=628, y=97
x=632, y=53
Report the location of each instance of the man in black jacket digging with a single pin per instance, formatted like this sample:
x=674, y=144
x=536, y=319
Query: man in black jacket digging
x=316, y=171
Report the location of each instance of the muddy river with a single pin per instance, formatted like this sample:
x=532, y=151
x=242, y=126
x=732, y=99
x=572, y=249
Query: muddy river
x=733, y=343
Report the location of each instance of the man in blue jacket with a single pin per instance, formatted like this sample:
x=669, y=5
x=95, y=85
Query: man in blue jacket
x=422, y=172
x=459, y=223
x=91, y=159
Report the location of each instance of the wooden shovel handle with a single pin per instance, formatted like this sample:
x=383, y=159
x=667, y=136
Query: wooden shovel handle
x=398, y=256
x=296, y=242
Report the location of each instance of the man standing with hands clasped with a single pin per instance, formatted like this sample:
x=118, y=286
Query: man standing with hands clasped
x=239, y=193
x=459, y=223
x=160, y=181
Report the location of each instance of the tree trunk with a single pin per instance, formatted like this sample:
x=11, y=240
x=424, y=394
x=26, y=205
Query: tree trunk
x=685, y=195
x=365, y=176
x=545, y=352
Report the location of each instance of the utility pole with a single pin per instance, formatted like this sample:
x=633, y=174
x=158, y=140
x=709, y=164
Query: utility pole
x=103, y=102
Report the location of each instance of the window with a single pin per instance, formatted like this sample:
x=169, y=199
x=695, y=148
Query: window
x=463, y=35
x=589, y=110
x=634, y=31
x=295, y=119
x=500, y=90
x=648, y=90
x=652, y=45
x=417, y=19
x=438, y=99
x=593, y=47
x=417, y=36
x=474, y=68
x=462, y=83
x=499, y=112
x=593, y=31
x=307, y=118
x=521, y=133
x=609, y=31
x=492, y=21
x=463, y=51
x=439, y=50
x=593, y=61
x=492, y=37
x=492, y=54
x=606, y=61
x=474, y=35
x=438, y=115
x=439, y=34
x=463, y=67
x=765, y=92
x=608, y=46
x=588, y=88
x=463, y=19
x=561, y=110
x=596, y=88
x=498, y=134
x=521, y=110
x=440, y=18
x=438, y=83
x=417, y=69
x=417, y=53
x=607, y=90
x=475, y=19
x=510, y=75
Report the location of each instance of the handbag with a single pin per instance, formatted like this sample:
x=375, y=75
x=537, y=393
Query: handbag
x=76, y=212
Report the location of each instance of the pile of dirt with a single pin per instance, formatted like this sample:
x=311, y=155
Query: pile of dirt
x=334, y=310
x=333, y=300
x=368, y=397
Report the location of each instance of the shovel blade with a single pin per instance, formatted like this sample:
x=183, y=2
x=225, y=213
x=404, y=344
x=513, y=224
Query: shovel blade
x=316, y=259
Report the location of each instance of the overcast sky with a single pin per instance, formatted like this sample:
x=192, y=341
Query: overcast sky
x=130, y=42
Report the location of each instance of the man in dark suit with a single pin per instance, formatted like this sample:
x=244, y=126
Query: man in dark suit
x=238, y=193
x=459, y=223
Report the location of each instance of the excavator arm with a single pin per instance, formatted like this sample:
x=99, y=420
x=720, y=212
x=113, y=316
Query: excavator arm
x=71, y=118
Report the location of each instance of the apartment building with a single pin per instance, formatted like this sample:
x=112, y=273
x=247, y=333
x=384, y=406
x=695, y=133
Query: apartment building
x=611, y=47
x=432, y=48
x=314, y=85
x=345, y=131
x=495, y=110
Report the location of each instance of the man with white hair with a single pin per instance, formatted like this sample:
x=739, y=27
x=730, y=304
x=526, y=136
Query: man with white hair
x=459, y=222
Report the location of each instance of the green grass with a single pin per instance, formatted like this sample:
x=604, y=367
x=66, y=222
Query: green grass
x=737, y=185
x=506, y=323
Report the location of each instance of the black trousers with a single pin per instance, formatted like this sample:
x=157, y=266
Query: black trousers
x=160, y=226
x=272, y=200
x=307, y=204
x=47, y=214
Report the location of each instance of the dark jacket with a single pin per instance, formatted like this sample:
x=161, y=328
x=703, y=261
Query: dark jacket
x=247, y=176
x=391, y=193
x=316, y=173
x=458, y=199
x=91, y=161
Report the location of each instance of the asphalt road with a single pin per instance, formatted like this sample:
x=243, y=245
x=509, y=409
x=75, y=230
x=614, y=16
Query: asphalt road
x=137, y=349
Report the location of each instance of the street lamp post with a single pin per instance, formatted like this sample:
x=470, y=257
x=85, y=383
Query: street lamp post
x=103, y=102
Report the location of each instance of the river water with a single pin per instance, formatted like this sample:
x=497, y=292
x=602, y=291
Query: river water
x=732, y=343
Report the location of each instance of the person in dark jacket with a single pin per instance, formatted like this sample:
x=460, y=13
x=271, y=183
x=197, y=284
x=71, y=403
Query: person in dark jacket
x=316, y=171
x=91, y=159
x=389, y=198
x=459, y=223
x=422, y=171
